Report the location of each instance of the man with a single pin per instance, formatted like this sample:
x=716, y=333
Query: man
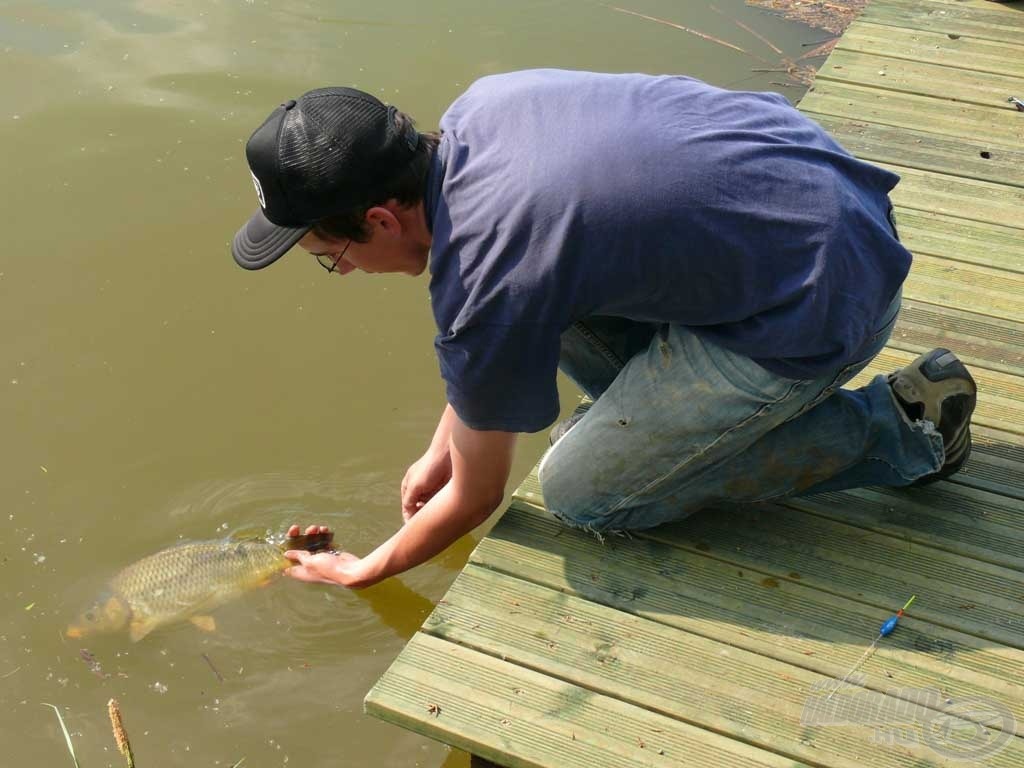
x=709, y=266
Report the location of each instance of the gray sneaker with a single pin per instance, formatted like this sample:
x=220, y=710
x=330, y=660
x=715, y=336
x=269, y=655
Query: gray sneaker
x=938, y=387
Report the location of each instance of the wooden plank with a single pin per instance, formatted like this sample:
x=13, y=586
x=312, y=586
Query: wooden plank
x=828, y=554
x=998, y=127
x=1000, y=395
x=961, y=54
x=996, y=463
x=979, y=340
x=524, y=719
x=902, y=76
x=745, y=594
x=926, y=151
x=966, y=287
x=687, y=677
x=966, y=530
x=987, y=21
x=907, y=555
x=962, y=198
x=974, y=242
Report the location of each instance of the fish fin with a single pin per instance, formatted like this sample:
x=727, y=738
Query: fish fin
x=205, y=623
x=249, y=533
x=139, y=628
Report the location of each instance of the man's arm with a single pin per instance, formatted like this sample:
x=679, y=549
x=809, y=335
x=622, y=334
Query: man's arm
x=481, y=462
x=432, y=470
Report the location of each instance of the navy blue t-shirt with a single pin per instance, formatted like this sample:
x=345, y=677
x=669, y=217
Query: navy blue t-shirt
x=556, y=195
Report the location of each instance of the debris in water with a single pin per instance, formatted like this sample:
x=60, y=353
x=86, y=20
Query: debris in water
x=92, y=663
x=831, y=15
x=220, y=677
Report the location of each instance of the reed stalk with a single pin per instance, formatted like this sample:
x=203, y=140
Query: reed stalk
x=120, y=736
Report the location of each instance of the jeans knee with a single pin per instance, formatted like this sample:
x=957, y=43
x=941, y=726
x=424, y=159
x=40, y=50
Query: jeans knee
x=562, y=489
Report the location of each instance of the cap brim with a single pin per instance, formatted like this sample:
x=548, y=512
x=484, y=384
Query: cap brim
x=261, y=242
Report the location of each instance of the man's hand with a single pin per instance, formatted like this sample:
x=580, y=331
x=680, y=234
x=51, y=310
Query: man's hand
x=424, y=479
x=324, y=567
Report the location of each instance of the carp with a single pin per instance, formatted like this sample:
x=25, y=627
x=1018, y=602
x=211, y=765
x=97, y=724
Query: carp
x=186, y=581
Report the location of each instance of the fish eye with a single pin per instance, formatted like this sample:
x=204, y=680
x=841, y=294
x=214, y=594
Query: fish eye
x=90, y=616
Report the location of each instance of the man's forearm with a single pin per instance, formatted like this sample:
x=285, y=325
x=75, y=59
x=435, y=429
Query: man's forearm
x=439, y=443
x=440, y=523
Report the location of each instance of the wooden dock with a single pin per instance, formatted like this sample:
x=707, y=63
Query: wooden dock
x=714, y=642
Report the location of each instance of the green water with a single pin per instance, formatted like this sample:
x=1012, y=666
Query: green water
x=151, y=391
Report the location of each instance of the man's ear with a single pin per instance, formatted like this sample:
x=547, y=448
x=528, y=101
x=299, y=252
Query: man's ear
x=383, y=217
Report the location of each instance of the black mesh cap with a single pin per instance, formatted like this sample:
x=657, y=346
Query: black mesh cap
x=312, y=158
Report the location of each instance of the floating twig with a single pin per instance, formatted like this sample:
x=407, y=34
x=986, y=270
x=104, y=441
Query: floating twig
x=819, y=14
x=743, y=26
x=67, y=736
x=93, y=664
x=10, y=673
x=120, y=737
x=822, y=50
x=683, y=28
x=220, y=677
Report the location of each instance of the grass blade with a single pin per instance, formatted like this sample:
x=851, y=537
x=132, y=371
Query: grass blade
x=67, y=736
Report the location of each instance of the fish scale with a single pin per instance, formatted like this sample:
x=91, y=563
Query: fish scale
x=186, y=580
x=192, y=574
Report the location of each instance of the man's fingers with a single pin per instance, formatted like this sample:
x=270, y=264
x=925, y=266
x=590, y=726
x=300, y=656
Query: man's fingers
x=299, y=572
x=294, y=530
x=297, y=555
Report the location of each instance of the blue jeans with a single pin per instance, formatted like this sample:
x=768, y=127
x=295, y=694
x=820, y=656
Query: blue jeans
x=679, y=423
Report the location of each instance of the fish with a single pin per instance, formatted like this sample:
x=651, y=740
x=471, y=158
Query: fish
x=186, y=581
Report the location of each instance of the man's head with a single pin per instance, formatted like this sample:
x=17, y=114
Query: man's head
x=333, y=166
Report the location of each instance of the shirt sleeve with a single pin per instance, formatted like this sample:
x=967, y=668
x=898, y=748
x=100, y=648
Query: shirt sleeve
x=502, y=377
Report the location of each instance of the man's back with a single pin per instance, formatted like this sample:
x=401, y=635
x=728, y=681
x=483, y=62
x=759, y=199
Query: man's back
x=567, y=194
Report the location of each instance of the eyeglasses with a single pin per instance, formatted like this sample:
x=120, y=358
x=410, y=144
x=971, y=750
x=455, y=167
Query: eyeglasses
x=330, y=263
